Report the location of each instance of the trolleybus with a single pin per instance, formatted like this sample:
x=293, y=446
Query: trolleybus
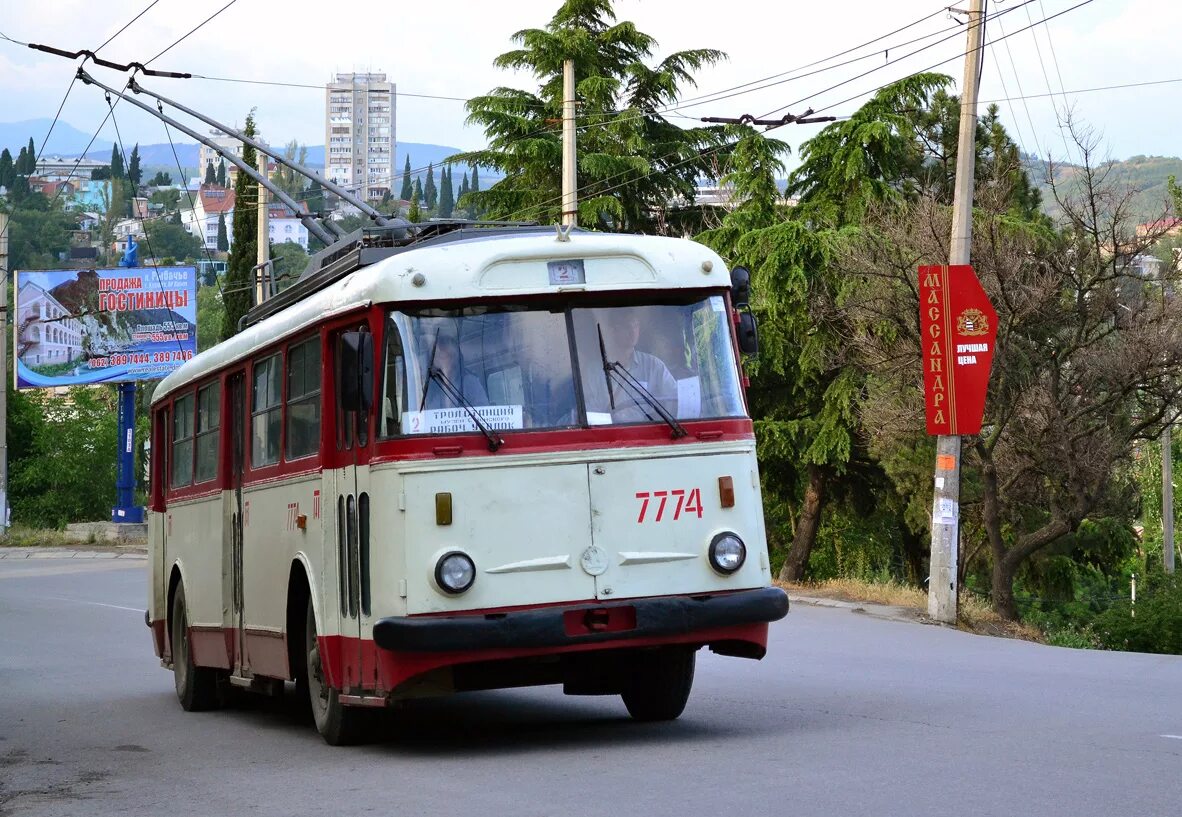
x=453, y=458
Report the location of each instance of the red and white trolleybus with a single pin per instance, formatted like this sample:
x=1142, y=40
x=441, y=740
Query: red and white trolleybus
x=464, y=458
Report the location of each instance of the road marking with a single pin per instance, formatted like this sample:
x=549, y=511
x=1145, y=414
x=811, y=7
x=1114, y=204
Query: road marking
x=96, y=604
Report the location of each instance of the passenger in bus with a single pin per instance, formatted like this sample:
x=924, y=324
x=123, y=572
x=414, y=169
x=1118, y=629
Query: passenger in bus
x=448, y=359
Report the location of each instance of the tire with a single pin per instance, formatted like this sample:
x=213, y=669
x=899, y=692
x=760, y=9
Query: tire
x=659, y=684
x=196, y=687
x=338, y=724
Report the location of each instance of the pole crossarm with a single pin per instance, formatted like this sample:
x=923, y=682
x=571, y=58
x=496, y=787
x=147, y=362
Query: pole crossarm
x=115, y=66
x=306, y=218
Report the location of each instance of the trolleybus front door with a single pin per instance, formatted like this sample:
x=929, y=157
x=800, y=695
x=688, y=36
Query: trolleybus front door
x=350, y=489
x=233, y=542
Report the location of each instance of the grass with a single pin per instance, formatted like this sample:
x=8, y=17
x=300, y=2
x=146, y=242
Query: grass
x=23, y=537
x=975, y=614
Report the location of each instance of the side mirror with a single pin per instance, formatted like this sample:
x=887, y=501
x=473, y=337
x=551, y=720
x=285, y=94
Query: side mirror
x=748, y=331
x=355, y=389
x=740, y=287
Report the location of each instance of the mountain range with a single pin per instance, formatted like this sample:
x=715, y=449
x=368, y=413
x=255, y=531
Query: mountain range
x=68, y=141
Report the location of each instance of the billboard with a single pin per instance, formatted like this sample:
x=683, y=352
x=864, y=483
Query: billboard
x=78, y=327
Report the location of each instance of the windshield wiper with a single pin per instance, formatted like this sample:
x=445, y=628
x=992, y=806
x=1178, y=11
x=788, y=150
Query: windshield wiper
x=607, y=369
x=495, y=441
x=636, y=386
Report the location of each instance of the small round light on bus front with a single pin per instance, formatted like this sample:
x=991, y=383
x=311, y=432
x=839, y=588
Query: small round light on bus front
x=727, y=553
x=455, y=572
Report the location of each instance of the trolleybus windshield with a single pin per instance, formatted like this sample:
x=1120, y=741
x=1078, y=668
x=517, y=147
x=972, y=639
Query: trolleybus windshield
x=542, y=366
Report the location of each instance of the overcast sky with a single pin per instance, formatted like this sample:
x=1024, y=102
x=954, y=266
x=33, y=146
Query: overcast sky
x=447, y=48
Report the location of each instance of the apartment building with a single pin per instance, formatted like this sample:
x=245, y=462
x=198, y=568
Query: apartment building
x=359, y=133
x=209, y=156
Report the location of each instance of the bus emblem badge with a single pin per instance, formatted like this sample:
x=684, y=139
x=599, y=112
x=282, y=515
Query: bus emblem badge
x=594, y=561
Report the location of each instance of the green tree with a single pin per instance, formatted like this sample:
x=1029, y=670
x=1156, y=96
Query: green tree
x=223, y=240
x=210, y=316
x=414, y=213
x=19, y=169
x=430, y=191
x=7, y=173
x=134, y=173
x=407, y=183
x=220, y=178
x=416, y=193
x=632, y=161
x=39, y=231
x=161, y=179
x=65, y=473
x=211, y=176
x=31, y=160
x=447, y=200
x=239, y=285
x=116, y=163
x=287, y=179
x=290, y=260
x=165, y=238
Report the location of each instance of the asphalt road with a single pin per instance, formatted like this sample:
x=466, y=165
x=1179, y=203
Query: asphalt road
x=848, y=715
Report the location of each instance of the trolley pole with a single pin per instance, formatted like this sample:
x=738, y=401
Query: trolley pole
x=570, y=178
x=4, y=374
x=942, y=581
x=260, y=287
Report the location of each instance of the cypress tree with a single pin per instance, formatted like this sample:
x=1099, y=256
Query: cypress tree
x=221, y=177
x=475, y=179
x=116, y=163
x=464, y=188
x=210, y=176
x=430, y=190
x=32, y=160
x=6, y=169
x=416, y=194
x=447, y=199
x=223, y=239
x=19, y=167
x=407, y=183
x=134, y=173
x=239, y=289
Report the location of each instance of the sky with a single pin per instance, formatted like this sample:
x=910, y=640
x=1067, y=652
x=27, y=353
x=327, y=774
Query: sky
x=447, y=49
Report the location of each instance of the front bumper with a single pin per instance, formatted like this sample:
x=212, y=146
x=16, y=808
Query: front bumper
x=552, y=626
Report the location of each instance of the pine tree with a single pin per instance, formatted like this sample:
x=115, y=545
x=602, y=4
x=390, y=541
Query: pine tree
x=464, y=188
x=221, y=176
x=472, y=207
x=134, y=173
x=475, y=188
x=6, y=171
x=210, y=175
x=19, y=168
x=413, y=214
x=430, y=190
x=116, y=163
x=239, y=289
x=407, y=183
x=223, y=239
x=416, y=194
x=31, y=166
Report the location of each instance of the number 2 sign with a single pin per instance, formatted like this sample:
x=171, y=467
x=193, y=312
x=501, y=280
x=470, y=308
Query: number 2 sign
x=687, y=502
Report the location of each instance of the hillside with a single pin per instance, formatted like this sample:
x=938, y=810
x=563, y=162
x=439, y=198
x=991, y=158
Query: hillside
x=1147, y=174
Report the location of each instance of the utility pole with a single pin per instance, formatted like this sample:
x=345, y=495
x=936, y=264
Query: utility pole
x=570, y=179
x=1167, y=501
x=260, y=288
x=942, y=580
x=4, y=374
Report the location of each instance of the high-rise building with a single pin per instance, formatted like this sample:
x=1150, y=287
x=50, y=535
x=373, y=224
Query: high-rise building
x=359, y=133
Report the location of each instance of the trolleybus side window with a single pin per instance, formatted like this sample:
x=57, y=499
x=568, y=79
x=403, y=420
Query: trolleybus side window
x=182, y=442
x=266, y=411
x=209, y=400
x=303, y=399
x=393, y=384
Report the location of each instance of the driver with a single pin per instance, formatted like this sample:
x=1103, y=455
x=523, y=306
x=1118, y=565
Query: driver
x=620, y=328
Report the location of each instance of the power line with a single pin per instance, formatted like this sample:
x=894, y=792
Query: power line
x=191, y=32
x=127, y=25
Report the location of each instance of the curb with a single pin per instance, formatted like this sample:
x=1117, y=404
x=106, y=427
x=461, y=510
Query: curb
x=885, y=612
x=129, y=553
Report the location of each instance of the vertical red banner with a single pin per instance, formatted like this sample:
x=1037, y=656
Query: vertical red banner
x=958, y=326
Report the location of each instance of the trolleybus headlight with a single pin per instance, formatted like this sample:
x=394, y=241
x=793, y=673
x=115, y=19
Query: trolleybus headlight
x=455, y=572
x=727, y=553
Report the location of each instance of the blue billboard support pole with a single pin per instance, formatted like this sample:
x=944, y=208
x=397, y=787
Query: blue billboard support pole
x=125, y=509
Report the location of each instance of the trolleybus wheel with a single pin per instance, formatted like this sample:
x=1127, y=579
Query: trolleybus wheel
x=338, y=724
x=196, y=687
x=660, y=684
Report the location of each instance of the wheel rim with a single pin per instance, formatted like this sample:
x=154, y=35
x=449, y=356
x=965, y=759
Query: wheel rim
x=180, y=659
